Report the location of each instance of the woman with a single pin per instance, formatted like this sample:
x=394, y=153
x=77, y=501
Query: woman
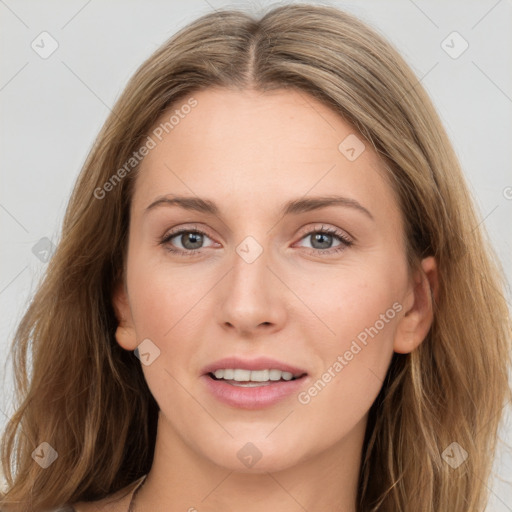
x=272, y=291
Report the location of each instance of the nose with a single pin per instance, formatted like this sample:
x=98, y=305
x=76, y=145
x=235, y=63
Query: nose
x=253, y=298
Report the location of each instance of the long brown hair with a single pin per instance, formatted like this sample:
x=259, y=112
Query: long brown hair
x=80, y=392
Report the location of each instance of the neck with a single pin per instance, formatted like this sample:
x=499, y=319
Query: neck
x=183, y=479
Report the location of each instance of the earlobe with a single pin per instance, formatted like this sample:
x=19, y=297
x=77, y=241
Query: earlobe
x=413, y=327
x=125, y=332
x=126, y=338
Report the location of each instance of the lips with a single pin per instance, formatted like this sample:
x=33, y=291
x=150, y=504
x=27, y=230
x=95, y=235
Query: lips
x=253, y=395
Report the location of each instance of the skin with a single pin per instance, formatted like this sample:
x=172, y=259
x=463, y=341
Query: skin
x=250, y=152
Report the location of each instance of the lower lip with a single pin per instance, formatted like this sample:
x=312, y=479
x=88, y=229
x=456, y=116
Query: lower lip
x=253, y=397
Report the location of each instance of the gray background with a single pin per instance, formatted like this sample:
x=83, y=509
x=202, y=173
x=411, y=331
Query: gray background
x=52, y=108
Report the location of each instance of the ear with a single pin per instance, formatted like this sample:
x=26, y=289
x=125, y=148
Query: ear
x=413, y=327
x=125, y=332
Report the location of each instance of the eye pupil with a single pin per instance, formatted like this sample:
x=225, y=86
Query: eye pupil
x=194, y=238
x=317, y=237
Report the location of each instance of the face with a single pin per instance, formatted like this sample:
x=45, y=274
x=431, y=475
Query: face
x=260, y=269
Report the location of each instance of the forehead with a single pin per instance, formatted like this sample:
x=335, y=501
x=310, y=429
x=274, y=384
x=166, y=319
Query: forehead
x=259, y=148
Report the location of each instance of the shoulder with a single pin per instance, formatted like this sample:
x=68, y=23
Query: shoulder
x=108, y=504
x=117, y=502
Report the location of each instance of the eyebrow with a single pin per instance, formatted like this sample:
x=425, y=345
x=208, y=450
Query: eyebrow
x=293, y=207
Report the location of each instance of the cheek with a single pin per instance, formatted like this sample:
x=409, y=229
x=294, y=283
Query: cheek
x=167, y=309
x=351, y=303
x=354, y=342
x=162, y=297
x=352, y=376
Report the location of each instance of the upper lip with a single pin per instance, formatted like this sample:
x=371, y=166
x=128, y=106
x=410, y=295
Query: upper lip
x=260, y=363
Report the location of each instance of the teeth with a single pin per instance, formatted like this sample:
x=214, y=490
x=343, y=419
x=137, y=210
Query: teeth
x=229, y=374
x=259, y=376
x=219, y=374
x=239, y=375
x=242, y=375
x=275, y=374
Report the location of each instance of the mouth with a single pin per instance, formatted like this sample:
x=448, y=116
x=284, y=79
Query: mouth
x=252, y=384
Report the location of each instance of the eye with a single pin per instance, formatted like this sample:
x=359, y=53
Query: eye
x=322, y=239
x=191, y=241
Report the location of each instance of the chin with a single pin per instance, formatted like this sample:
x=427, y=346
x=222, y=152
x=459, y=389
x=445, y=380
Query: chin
x=258, y=456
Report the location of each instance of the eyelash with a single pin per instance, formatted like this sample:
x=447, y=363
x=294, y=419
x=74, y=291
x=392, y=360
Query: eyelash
x=345, y=241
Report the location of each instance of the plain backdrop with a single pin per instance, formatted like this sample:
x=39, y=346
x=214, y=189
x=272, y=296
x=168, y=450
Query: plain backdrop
x=53, y=105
